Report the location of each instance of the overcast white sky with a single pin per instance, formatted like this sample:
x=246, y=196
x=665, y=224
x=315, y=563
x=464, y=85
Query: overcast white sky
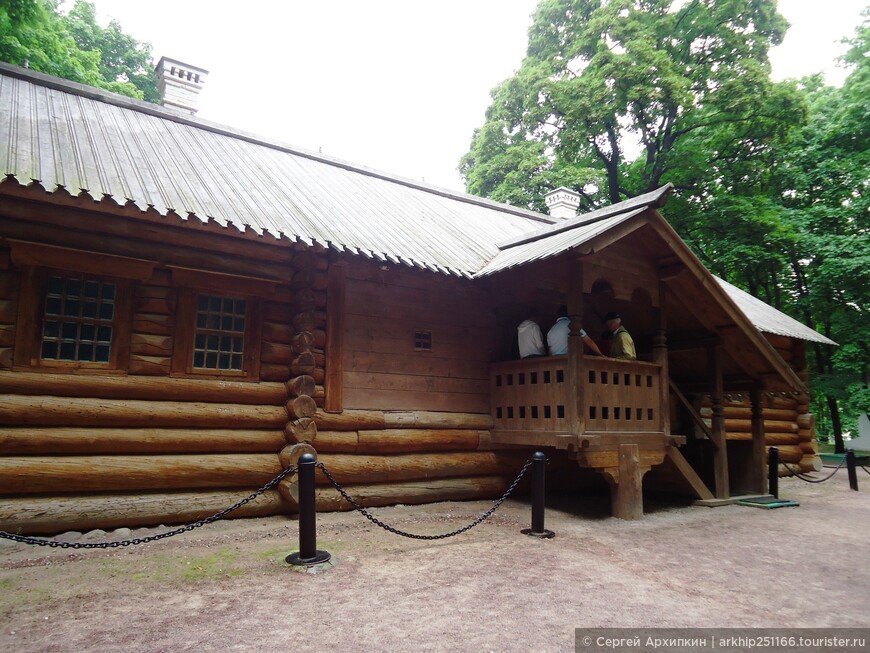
x=396, y=85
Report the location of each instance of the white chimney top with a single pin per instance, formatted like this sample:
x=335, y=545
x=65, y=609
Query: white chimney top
x=179, y=84
x=562, y=203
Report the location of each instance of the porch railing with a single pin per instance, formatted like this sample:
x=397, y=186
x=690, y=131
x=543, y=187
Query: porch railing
x=618, y=396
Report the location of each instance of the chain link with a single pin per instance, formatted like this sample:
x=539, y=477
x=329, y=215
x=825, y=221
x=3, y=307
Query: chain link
x=442, y=536
x=151, y=538
x=800, y=475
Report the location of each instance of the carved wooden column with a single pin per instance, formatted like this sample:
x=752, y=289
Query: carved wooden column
x=575, y=410
x=660, y=357
x=720, y=458
x=758, y=472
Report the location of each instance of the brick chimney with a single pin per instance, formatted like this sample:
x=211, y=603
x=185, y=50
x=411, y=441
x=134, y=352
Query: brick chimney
x=179, y=84
x=562, y=203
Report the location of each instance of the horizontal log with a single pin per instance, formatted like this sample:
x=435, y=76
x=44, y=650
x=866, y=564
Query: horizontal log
x=327, y=499
x=811, y=448
x=50, y=516
x=790, y=453
x=383, y=469
x=745, y=412
x=121, y=387
x=390, y=441
x=69, y=474
x=745, y=425
x=275, y=353
x=353, y=420
x=277, y=332
x=277, y=312
x=55, y=440
x=8, y=311
x=73, y=411
x=308, y=299
x=274, y=372
x=770, y=439
x=155, y=305
x=6, y=358
x=807, y=434
x=806, y=421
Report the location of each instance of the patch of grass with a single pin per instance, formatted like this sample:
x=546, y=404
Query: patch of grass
x=167, y=568
x=861, y=448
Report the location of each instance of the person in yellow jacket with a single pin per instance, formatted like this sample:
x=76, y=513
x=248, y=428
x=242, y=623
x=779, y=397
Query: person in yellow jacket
x=621, y=343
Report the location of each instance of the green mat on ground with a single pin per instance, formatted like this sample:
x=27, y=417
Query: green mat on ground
x=767, y=502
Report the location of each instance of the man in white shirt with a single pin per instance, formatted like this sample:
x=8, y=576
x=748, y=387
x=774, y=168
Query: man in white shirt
x=529, y=338
x=557, y=337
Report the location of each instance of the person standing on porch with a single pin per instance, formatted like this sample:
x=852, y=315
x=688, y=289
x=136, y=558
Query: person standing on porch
x=621, y=343
x=557, y=336
x=529, y=338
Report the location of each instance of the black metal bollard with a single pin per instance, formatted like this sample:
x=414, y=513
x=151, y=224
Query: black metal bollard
x=852, y=468
x=773, y=472
x=539, y=465
x=308, y=553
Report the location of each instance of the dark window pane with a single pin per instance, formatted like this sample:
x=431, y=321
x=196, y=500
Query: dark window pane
x=239, y=324
x=71, y=307
x=52, y=305
x=228, y=305
x=68, y=351
x=50, y=330
x=49, y=350
x=202, y=303
x=55, y=285
x=200, y=341
x=224, y=362
x=69, y=330
x=108, y=291
x=213, y=342
x=87, y=332
x=240, y=307
x=102, y=354
x=237, y=361
x=104, y=334
x=107, y=311
x=86, y=352
x=225, y=344
x=200, y=320
x=227, y=323
x=214, y=304
x=198, y=359
x=73, y=287
x=214, y=321
x=92, y=289
x=211, y=360
x=238, y=345
x=89, y=310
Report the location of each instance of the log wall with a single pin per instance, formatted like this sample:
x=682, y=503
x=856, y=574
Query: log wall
x=381, y=368
x=788, y=423
x=145, y=445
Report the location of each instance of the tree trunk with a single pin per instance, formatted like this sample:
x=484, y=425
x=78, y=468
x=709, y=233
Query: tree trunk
x=836, y=424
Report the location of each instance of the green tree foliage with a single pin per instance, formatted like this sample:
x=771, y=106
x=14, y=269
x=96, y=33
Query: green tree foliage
x=36, y=34
x=613, y=97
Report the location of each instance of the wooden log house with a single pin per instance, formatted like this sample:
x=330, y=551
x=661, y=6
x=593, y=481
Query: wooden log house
x=186, y=309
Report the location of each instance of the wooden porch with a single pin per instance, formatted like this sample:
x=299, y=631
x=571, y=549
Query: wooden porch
x=611, y=415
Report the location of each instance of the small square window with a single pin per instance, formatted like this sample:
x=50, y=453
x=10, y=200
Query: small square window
x=422, y=341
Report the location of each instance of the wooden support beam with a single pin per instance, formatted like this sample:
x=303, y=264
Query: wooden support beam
x=626, y=493
x=682, y=465
x=693, y=413
x=575, y=408
x=720, y=458
x=758, y=472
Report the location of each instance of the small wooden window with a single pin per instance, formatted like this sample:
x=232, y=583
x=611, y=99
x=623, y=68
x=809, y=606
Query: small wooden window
x=70, y=321
x=216, y=335
x=78, y=320
x=422, y=341
x=219, y=334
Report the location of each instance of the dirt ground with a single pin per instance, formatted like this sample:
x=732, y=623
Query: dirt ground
x=225, y=587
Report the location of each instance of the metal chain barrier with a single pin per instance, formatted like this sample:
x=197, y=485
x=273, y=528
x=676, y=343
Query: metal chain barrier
x=864, y=468
x=807, y=479
x=151, y=538
x=442, y=536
